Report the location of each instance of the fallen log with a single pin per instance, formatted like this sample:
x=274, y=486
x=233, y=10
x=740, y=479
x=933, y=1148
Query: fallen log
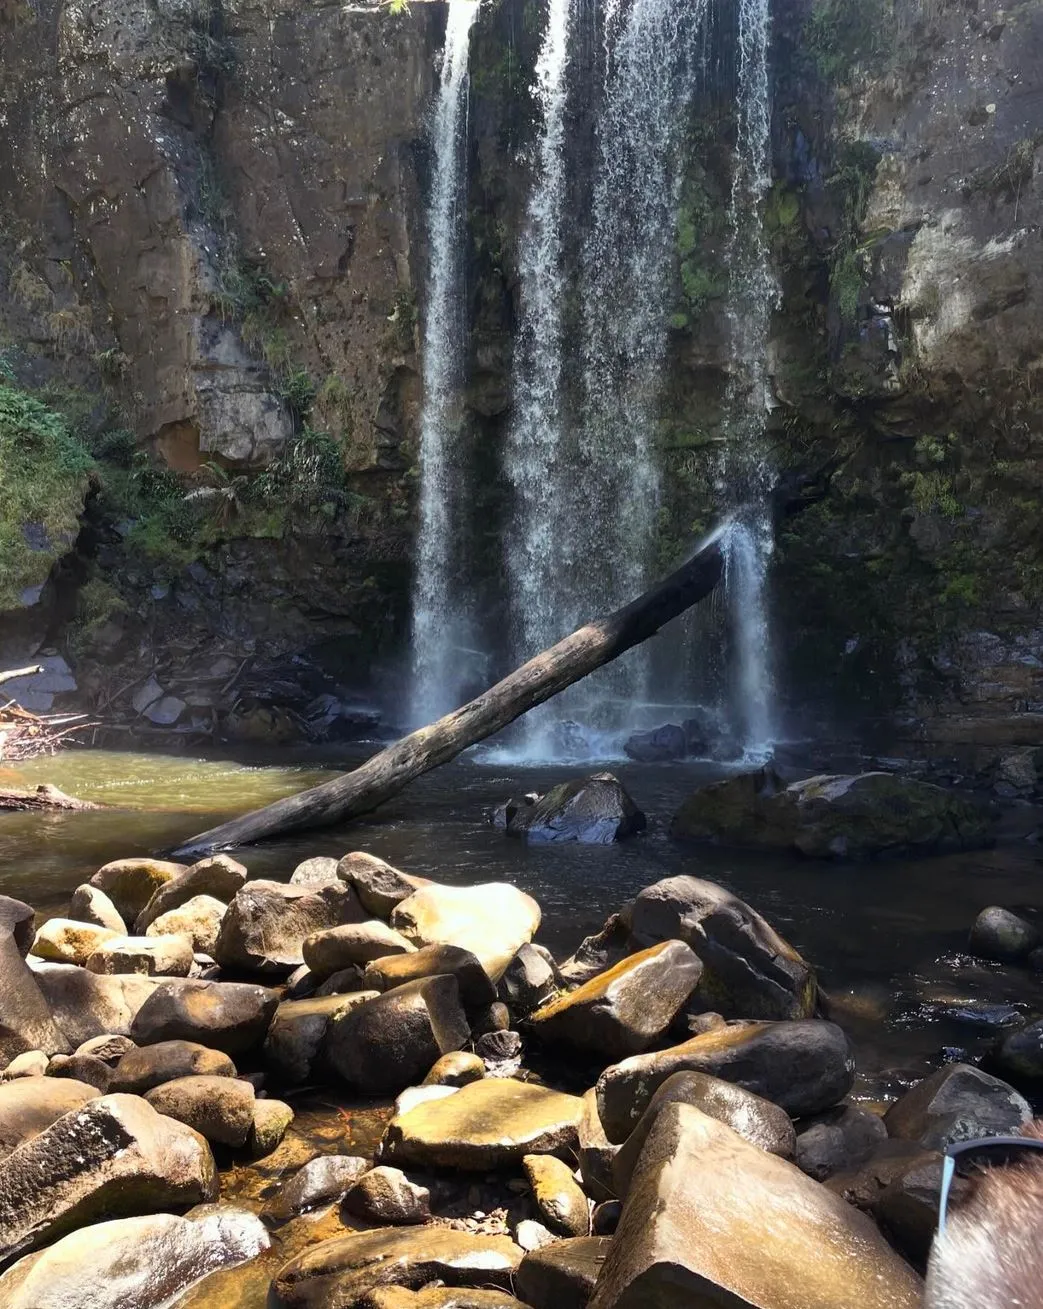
x=45, y=797
x=366, y=788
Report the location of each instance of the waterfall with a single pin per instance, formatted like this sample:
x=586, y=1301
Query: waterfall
x=440, y=621
x=747, y=473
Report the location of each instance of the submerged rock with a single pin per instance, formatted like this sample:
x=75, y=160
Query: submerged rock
x=957, y=1103
x=658, y=745
x=833, y=816
x=133, y=1262
x=999, y=934
x=626, y=1009
x=710, y=1218
x=595, y=810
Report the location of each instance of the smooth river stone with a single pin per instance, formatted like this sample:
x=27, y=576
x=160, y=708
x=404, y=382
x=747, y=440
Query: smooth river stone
x=493, y=920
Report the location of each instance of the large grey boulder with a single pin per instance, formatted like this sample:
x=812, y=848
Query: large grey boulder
x=221, y=1109
x=219, y=877
x=131, y=883
x=957, y=1103
x=833, y=816
x=114, y=1156
x=266, y=924
x=476, y=988
x=296, y=1037
x=143, y=1067
x=26, y=1021
x=133, y=1263
x=18, y=920
x=377, y=884
x=229, y=1016
x=804, y=1066
x=595, y=810
x=712, y=1220
x=389, y=1043
x=749, y=970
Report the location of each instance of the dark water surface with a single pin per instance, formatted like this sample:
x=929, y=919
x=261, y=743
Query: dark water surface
x=885, y=936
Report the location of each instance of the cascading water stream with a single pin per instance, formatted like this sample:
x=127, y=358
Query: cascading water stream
x=441, y=626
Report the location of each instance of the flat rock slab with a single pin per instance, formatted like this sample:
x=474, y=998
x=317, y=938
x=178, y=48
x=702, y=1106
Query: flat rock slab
x=337, y=1273
x=712, y=1220
x=486, y=1124
x=493, y=920
x=626, y=1009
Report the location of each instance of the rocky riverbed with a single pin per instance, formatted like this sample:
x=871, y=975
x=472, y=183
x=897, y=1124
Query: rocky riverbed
x=364, y=1086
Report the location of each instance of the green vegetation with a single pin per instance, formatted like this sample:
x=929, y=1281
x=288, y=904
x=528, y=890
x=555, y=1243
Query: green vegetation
x=840, y=36
x=851, y=185
x=44, y=475
x=698, y=225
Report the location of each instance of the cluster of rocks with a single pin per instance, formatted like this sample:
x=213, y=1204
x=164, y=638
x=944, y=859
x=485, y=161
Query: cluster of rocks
x=697, y=1137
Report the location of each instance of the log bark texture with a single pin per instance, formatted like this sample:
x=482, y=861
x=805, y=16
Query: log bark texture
x=386, y=773
x=43, y=798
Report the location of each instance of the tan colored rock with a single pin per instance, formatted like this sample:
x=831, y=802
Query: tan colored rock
x=198, y=919
x=357, y=944
x=272, y=1119
x=63, y=941
x=89, y=904
x=133, y=1262
x=151, y=956
x=560, y=1201
x=386, y=1195
x=476, y=990
x=457, y=1068
x=624, y=1010
x=144, y=1067
x=266, y=924
x=82, y=1068
x=711, y=1219
x=28, y=1106
x=804, y=1066
x=413, y=1096
x=378, y=885
x=493, y=920
x=108, y=1047
x=488, y=1124
x=438, y=1297
x=131, y=883
x=86, y=1005
x=219, y=878
x=130, y=1159
x=228, y=1016
x=18, y=920
x=562, y=1275
x=327, y=1178
x=321, y=870
x=391, y=1042
x=298, y=1030
x=33, y=1063
x=341, y=1271
x=595, y=1152
x=221, y=1109
x=26, y=1020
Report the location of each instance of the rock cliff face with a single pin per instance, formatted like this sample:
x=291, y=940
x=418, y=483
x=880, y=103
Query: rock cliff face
x=211, y=237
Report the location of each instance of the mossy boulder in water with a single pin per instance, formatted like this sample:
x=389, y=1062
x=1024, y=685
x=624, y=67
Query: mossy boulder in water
x=594, y=810
x=833, y=815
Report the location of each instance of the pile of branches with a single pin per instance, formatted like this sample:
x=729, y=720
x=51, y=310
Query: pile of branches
x=24, y=735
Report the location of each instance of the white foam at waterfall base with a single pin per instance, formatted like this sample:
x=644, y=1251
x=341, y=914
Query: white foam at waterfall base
x=441, y=623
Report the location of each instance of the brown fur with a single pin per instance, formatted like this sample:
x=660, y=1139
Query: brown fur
x=990, y=1255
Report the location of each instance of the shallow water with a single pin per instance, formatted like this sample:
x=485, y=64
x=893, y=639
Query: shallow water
x=885, y=936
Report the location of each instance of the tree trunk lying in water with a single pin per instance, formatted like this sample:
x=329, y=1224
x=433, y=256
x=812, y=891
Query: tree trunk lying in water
x=598, y=643
x=43, y=798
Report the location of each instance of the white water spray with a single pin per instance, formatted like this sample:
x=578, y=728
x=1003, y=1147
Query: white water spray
x=440, y=622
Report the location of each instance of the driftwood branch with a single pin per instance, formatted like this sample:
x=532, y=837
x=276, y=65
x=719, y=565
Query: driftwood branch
x=12, y=673
x=43, y=798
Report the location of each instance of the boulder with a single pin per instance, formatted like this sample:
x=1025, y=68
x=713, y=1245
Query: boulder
x=599, y=952
x=321, y=870
x=432, y=961
x=594, y=810
x=957, y=1103
x=1019, y=1056
x=221, y=1109
x=531, y=1235
x=218, y=878
x=999, y=934
x=28, y=1106
x=17, y=919
x=229, y=1016
x=342, y=1271
x=834, y=816
x=63, y=941
x=493, y=1123
x=390, y=1042
x=595, y=1153
x=457, y=1068
x=386, y=1195
x=439, y=1297
x=354, y=944
x=417, y=1095
x=559, y=1200
x=754, y=1119
x=626, y=1009
x=379, y=886
x=711, y=1219
x=907, y=1208
x=323, y=1180
x=562, y=1275
x=493, y=920
x=131, y=883
x=499, y=1046
x=144, y=1067
x=89, y=904
x=749, y=971
x=659, y=745
x=529, y=980
x=151, y=956
x=605, y=1218
x=342, y=982
x=108, y=1048
x=26, y=1021
x=198, y=919
x=265, y=926
x=133, y=1263
x=82, y=1068
x=298, y=1031
x=837, y=1141
x=128, y=1159
x=272, y=1119
x=31, y=1063
x=495, y=1017
x=804, y=1066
